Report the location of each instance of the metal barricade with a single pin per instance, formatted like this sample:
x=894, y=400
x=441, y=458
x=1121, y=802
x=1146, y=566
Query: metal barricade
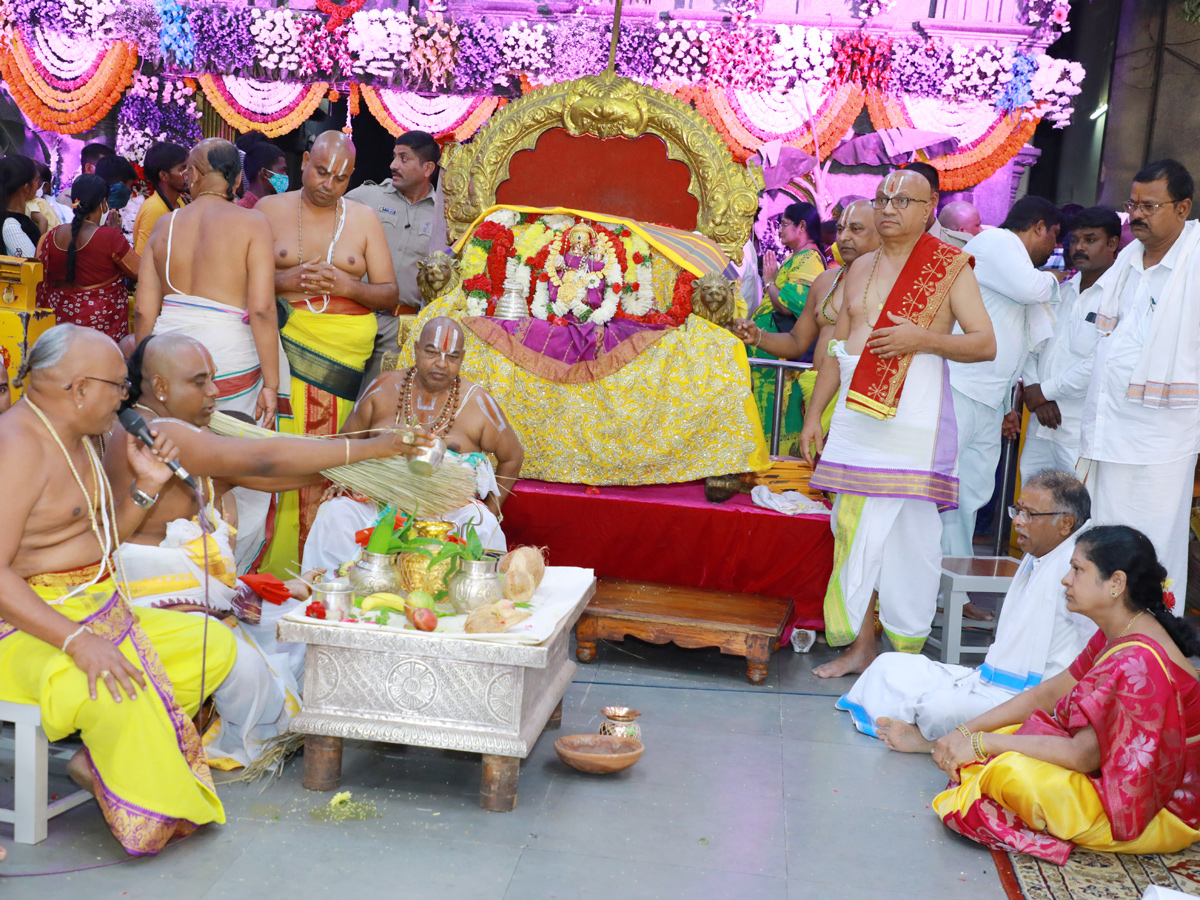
x=780, y=366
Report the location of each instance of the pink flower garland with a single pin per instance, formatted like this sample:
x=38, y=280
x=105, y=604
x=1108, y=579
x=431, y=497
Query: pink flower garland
x=59, y=71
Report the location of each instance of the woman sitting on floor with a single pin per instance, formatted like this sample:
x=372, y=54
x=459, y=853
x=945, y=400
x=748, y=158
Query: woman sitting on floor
x=1108, y=757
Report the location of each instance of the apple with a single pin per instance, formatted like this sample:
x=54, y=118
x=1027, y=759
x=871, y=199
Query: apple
x=425, y=619
x=417, y=600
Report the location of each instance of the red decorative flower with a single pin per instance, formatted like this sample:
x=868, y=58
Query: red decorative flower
x=616, y=288
x=543, y=277
x=636, y=286
x=1169, y=599
x=638, y=259
x=455, y=539
x=315, y=610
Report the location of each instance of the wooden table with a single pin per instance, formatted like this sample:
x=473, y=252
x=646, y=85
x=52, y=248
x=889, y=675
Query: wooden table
x=746, y=625
x=453, y=693
x=960, y=574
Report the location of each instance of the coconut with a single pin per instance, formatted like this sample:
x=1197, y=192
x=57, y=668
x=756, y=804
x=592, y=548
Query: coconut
x=523, y=570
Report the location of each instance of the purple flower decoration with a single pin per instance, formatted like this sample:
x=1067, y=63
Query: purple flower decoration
x=42, y=13
x=635, y=50
x=223, y=40
x=577, y=50
x=919, y=67
x=478, y=58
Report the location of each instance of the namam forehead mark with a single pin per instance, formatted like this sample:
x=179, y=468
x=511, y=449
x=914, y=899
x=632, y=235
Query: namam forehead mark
x=898, y=181
x=333, y=151
x=854, y=212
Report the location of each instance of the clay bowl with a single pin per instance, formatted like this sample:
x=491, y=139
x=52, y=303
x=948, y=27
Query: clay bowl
x=598, y=754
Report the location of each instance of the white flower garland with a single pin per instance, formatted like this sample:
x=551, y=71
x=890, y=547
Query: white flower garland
x=278, y=36
x=378, y=41
x=507, y=217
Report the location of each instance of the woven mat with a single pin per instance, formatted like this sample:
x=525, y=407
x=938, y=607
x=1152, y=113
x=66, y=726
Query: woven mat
x=1098, y=876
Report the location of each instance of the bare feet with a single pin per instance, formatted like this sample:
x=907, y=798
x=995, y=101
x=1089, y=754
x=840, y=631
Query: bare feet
x=902, y=736
x=853, y=662
x=971, y=611
x=80, y=770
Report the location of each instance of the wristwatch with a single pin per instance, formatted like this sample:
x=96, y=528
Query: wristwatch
x=141, y=498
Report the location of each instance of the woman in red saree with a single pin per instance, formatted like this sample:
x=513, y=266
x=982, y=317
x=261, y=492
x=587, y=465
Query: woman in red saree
x=85, y=264
x=1105, y=755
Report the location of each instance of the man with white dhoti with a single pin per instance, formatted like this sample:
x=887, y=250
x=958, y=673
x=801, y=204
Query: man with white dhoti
x=1018, y=299
x=891, y=451
x=430, y=395
x=909, y=701
x=1056, y=376
x=1141, y=419
x=211, y=276
x=170, y=563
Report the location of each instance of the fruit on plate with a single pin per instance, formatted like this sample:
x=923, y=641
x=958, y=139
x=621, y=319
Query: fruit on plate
x=418, y=600
x=383, y=600
x=424, y=619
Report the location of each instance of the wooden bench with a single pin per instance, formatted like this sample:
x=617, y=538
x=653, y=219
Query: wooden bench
x=745, y=625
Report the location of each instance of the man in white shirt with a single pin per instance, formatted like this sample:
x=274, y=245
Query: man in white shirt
x=1056, y=376
x=1141, y=420
x=1006, y=261
x=909, y=701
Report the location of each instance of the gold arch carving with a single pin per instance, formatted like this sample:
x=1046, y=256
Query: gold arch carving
x=608, y=105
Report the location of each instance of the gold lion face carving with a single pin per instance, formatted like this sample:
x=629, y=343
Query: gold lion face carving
x=714, y=297
x=437, y=275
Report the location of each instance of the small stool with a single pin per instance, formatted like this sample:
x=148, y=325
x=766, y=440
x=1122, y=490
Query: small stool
x=31, y=807
x=960, y=574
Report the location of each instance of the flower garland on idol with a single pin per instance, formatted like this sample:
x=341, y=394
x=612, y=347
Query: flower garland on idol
x=494, y=258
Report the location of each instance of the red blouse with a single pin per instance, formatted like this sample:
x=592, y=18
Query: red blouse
x=95, y=259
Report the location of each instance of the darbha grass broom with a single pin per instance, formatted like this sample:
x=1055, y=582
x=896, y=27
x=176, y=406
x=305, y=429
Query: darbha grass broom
x=452, y=484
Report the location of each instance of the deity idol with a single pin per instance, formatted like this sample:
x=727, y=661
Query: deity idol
x=578, y=277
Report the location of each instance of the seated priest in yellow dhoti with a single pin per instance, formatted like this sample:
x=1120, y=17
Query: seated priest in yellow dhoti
x=171, y=562
x=433, y=396
x=128, y=680
x=605, y=373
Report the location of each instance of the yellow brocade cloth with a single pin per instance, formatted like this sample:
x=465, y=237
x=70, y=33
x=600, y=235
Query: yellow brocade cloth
x=151, y=780
x=681, y=410
x=328, y=353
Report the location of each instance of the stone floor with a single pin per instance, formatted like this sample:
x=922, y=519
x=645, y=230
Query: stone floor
x=748, y=792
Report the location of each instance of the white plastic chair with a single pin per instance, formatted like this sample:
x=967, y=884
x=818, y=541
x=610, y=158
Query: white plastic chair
x=32, y=809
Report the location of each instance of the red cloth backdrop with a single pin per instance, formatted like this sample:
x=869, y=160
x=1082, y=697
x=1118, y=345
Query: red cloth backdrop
x=671, y=534
x=618, y=176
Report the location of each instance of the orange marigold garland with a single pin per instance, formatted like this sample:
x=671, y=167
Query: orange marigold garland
x=51, y=108
x=271, y=123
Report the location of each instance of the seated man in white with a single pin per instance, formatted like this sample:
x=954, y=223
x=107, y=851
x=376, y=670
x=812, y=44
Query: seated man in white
x=431, y=395
x=909, y=701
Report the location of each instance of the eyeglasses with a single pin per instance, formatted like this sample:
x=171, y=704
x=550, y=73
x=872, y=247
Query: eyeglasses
x=1146, y=208
x=1016, y=512
x=899, y=203
x=122, y=386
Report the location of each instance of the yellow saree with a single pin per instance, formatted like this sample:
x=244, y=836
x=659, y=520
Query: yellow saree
x=151, y=780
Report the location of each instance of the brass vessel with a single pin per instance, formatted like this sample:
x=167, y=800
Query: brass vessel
x=415, y=571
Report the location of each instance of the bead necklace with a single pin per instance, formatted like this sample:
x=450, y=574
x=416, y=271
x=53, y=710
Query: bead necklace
x=339, y=221
x=449, y=411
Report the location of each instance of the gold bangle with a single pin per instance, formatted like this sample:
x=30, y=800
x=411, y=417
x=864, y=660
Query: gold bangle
x=966, y=732
x=977, y=746
x=347, y=451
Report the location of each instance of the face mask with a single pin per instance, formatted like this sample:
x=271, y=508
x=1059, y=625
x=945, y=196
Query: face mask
x=278, y=182
x=118, y=195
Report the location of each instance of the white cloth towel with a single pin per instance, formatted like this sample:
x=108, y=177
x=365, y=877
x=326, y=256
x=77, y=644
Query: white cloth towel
x=1166, y=372
x=790, y=503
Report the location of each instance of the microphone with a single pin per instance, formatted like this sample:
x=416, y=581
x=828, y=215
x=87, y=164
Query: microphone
x=136, y=426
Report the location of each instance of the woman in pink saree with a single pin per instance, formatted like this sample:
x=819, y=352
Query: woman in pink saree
x=1105, y=755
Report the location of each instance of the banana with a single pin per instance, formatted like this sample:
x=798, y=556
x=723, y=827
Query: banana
x=383, y=601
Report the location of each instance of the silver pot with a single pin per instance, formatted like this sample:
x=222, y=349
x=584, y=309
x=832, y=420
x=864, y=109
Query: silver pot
x=374, y=572
x=336, y=596
x=474, y=584
x=427, y=459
